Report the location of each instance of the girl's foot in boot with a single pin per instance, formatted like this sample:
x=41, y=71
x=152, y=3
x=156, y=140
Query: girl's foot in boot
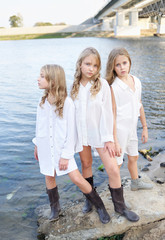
x=54, y=204
x=94, y=198
x=119, y=205
x=87, y=205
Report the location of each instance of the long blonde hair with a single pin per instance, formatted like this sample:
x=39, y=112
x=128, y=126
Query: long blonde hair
x=96, y=83
x=110, y=72
x=55, y=76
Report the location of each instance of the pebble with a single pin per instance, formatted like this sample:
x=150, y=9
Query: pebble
x=160, y=180
x=148, y=165
x=145, y=169
x=162, y=164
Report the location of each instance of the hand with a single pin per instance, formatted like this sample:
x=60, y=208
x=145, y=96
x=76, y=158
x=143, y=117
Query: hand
x=63, y=164
x=110, y=147
x=118, y=150
x=35, y=153
x=144, y=137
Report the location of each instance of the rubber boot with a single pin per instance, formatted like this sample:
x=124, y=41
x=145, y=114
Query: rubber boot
x=54, y=203
x=138, y=184
x=94, y=198
x=119, y=205
x=87, y=205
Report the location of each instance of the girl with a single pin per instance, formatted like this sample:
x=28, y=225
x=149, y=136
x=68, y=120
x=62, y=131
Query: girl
x=55, y=140
x=127, y=107
x=94, y=120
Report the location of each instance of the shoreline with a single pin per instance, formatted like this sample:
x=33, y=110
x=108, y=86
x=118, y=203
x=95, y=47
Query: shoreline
x=74, y=34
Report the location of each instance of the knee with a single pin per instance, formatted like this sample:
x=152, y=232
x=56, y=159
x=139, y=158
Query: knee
x=49, y=178
x=132, y=159
x=86, y=164
x=114, y=172
x=76, y=179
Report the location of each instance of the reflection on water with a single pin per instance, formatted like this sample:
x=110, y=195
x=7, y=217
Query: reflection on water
x=22, y=186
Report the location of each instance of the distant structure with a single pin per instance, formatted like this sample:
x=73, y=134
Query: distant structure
x=128, y=17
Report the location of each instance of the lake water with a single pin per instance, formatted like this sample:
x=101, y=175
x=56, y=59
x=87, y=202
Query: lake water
x=22, y=187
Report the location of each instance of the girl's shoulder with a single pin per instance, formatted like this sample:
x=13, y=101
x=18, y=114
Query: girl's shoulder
x=68, y=102
x=104, y=82
x=136, y=80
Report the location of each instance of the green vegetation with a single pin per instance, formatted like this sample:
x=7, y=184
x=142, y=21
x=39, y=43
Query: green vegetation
x=114, y=237
x=101, y=168
x=38, y=24
x=16, y=20
x=35, y=36
x=55, y=35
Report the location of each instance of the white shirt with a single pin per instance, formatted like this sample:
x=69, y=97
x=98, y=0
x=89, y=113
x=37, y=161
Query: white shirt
x=55, y=137
x=128, y=104
x=94, y=117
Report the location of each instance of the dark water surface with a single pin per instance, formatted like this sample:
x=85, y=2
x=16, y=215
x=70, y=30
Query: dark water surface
x=22, y=187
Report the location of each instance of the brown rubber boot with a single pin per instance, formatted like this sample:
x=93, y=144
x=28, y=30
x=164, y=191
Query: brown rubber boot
x=95, y=199
x=54, y=203
x=119, y=205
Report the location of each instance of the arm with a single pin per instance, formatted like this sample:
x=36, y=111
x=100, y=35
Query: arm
x=69, y=145
x=107, y=122
x=35, y=153
x=118, y=149
x=144, y=136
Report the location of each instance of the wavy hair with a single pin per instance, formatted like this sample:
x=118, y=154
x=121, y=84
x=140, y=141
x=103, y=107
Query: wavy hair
x=110, y=74
x=55, y=76
x=96, y=83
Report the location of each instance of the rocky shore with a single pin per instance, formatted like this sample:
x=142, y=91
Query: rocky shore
x=148, y=204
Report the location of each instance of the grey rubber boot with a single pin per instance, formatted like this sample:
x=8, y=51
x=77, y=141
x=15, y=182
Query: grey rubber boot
x=54, y=203
x=119, y=205
x=138, y=184
x=95, y=199
x=87, y=205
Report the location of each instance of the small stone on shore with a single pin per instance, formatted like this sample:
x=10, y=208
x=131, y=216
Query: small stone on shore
x=162, y=164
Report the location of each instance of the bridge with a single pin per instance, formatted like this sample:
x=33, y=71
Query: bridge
x=128, y=17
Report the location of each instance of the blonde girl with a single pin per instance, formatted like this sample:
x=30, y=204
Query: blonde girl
x=55, y=140
x=94, y=120
x=126, y=90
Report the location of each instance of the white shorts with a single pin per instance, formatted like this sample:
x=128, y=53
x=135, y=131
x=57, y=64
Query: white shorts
x=130, y=148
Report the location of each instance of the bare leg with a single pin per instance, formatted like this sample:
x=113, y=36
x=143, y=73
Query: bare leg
x=132, y=166
x=111, y=167
x=78, y=179
x=50, y=182
x=90, y=194
x=86, y=161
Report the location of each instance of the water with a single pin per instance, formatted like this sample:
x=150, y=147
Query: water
x=22, y=187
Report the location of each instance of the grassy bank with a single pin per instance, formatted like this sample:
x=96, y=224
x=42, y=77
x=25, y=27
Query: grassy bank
x=144, y=33
x=35, y=36
x=56, y=35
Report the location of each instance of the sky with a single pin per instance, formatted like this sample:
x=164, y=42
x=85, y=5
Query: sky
x=54, y=11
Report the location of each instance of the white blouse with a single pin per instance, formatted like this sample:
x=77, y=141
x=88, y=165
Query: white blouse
x=94, y=116
x=128, y=104
x=55, y=137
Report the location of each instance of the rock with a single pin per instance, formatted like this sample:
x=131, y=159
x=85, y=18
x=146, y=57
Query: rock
x=160, y=180
x=73, y=225
x=145, y=169
x=162, y=164
x=148, y=165
x=151, y=231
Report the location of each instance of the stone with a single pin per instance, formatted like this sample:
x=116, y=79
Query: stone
x=145, y=169
x=73, y=224
x=162, y=164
